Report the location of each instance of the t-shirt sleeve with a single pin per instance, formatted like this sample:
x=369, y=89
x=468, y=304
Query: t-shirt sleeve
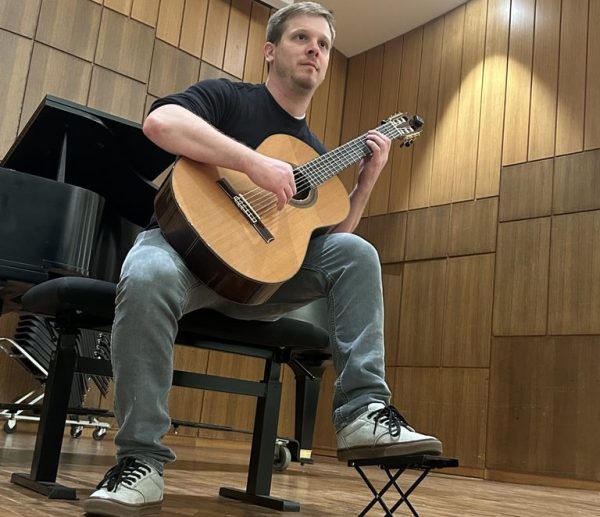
x=213, y=100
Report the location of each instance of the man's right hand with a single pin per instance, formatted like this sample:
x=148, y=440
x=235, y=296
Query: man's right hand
x=180, y=132
x=275, y=176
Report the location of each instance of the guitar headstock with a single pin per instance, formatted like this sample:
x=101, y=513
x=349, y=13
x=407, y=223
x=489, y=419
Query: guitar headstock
x=406, y=125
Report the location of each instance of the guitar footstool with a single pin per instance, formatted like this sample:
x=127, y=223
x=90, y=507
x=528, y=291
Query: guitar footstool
x=394, y=466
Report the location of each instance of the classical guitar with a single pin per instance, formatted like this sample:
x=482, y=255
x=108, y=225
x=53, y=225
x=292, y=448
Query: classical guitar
x=230, y=232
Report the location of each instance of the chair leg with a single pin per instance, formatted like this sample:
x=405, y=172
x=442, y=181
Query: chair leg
x=48, y=443
x=263, y=447
x=307, y=399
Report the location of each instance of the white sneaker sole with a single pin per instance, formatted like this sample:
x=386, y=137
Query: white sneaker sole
x=431, y=446
x=112, y=508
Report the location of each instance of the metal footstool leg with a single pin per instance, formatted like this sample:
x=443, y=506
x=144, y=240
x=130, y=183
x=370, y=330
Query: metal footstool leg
x=394, y=467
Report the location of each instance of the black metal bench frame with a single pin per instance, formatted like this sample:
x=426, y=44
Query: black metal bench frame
x=65, y=363
x=394, y=467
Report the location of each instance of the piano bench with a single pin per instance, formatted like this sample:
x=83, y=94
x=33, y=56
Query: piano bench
x=74, y=303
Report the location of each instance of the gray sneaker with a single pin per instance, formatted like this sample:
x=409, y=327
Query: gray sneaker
x=131, y=488
x=381, y=431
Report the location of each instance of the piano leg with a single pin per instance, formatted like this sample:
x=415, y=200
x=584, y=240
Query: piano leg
x=44, y=467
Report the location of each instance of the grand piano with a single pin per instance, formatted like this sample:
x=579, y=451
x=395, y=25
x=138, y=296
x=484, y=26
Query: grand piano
x=75, y=189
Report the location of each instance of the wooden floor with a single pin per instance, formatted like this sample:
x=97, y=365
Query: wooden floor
x=325, y=488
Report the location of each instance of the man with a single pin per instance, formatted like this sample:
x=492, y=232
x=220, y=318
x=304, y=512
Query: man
x=221, y=122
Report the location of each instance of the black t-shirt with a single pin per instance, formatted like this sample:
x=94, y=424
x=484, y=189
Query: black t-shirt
x=246, y=112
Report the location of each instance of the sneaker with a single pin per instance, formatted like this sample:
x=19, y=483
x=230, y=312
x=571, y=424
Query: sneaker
x=130, y=488
x=381, y=431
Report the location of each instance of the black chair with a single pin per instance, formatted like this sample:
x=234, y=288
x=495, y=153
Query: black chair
x=75, y=303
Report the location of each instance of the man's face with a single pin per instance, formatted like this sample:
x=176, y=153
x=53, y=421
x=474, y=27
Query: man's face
x=301, y=57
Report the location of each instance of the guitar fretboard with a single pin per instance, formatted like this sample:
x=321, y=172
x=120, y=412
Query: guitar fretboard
x=328, y=165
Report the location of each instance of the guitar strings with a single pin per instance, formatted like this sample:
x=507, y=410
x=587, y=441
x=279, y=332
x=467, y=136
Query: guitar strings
x=320, y=169
x=310, y=175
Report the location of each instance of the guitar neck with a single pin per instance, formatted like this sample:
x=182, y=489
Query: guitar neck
x=330, y=164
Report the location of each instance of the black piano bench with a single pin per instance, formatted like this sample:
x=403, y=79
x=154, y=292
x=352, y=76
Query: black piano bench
x=82, y=303
x=394, y=466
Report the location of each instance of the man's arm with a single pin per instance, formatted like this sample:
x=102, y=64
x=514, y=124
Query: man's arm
x=180, y=132
x=369, y=170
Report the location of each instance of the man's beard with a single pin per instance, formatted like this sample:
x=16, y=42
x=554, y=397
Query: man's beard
x=299, y=83
x=304, y=84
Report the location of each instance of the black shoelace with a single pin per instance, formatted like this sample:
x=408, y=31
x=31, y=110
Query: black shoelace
x=127, y=471
x=389, y=416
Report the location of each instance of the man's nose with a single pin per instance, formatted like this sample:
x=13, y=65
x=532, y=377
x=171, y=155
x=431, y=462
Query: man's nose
x=313, y=48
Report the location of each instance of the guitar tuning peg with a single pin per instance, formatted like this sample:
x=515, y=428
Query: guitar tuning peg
x=417, y=122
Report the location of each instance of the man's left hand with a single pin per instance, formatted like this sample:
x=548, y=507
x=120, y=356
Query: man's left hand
x=371, y=166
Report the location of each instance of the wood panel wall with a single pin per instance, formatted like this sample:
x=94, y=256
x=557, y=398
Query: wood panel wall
x=488, y=232
x=118, y=56
x=487, y=228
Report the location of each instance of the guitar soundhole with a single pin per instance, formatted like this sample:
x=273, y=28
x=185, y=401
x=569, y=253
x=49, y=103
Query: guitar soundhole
x=305, y=194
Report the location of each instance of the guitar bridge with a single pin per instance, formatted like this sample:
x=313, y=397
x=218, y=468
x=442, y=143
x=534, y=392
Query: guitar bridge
x=246, y=209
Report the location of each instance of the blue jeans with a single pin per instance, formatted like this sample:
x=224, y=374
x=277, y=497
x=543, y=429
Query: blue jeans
x=156, y=289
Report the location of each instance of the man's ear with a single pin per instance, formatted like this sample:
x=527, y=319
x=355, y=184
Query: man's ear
x=268, y=50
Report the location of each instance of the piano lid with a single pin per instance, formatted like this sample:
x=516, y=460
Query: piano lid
x=106, y=154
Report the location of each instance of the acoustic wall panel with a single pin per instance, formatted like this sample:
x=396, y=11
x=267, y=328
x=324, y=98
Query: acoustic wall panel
x=422, y=313
x=237, y=37
x=543, y=411
x=443, y=172
x=518, y=82
x=70, y=26
x=193, y=27
x=468, y=311
x=172, y=70
x=571, y=78
x=427, y=106
x=574, y=297
x=388, y=98
x=125, y=46
x=521, y=285
x=14, y=62
x=408, y=89
x=473, y=226
x=526, y=190
x=577, y=182
x=469, y=102
x=544, y=85
x=19, y=17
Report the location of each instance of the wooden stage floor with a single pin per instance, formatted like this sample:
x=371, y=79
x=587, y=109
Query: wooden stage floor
x=326, y=488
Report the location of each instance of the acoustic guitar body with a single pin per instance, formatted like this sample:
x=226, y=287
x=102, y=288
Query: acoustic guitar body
x=229, y=231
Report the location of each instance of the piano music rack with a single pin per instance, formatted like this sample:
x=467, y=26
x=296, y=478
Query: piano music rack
x=32, y=346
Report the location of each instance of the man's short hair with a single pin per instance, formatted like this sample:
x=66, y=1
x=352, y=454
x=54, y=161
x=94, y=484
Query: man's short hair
x=276, y=24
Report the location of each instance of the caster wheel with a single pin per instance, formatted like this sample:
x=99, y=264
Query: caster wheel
x=283, y=458
x=10, y=426
x=99, y=433
x=76, y=431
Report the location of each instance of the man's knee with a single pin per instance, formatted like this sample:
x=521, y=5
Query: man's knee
x=148, y=275
x=357, y=248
